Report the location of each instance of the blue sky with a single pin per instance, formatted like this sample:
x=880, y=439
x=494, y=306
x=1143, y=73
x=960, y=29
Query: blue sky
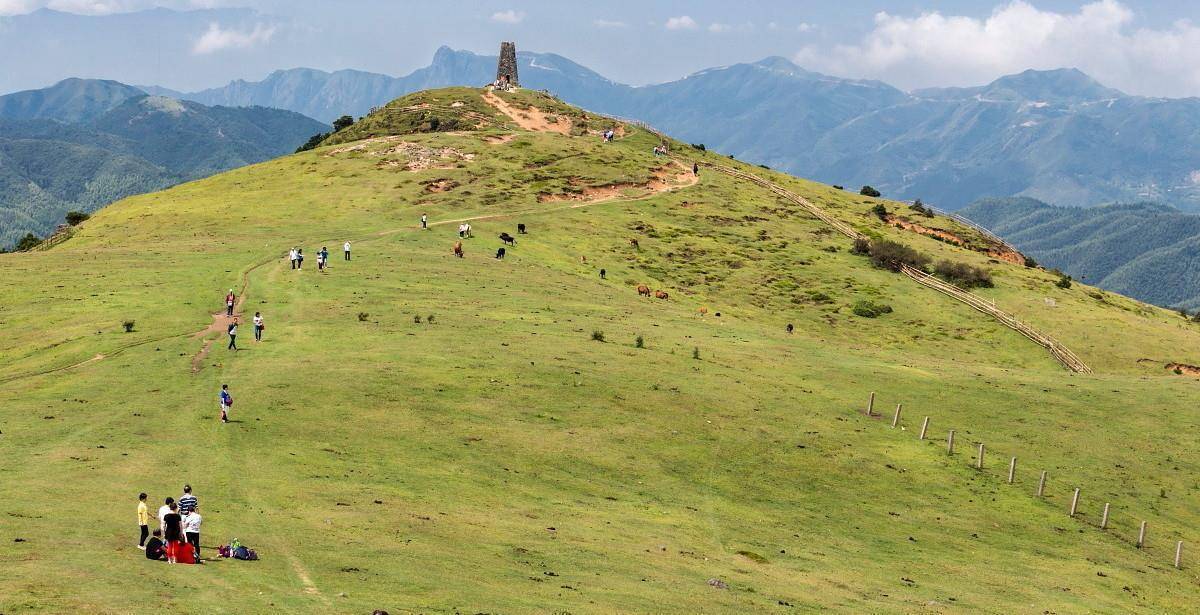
x=1149, y=47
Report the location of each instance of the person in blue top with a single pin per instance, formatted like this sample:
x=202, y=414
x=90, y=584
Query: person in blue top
x=226, y=402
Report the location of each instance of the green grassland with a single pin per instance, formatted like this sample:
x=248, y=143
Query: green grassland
x=499, y=460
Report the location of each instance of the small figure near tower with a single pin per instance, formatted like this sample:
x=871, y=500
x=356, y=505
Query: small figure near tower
x=506, y=68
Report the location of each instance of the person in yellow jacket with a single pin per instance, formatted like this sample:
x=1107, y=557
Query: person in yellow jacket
x=143, y=520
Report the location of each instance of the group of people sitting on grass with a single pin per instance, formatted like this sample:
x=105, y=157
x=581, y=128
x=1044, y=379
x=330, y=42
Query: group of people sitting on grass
x=176, y=540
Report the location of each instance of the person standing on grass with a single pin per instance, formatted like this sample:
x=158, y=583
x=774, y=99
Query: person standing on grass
x=187, y=501
x=299, y=258
x=191, y=529
x=324, y=257
x=424, y=221
x=292, y=257
x=230, y=299
x=162, y=512
x=696, y=169
x=233, y=334
x=143, y=513
x=226, y=403
x=258, y=326
x=346, y=250
x=173, y=532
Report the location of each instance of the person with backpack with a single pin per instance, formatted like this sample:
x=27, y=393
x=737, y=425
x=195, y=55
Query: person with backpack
x=230, y=299
x=233, y=334
x=226, y=403
x=258, y=326
x=143, y=514
x=191, y=529
x=346, y=250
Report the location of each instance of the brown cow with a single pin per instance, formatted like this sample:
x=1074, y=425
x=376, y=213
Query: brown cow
x=703, y=311
x=661, y=294
x=643, y=290
x=458, y=251
x=634, y=244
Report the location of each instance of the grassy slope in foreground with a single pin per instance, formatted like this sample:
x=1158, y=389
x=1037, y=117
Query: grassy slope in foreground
x=499, y=460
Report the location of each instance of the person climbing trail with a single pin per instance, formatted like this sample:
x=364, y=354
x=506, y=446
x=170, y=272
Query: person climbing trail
x=232, y=330
x=230, y=299
x=696, y=169
x=226, y=404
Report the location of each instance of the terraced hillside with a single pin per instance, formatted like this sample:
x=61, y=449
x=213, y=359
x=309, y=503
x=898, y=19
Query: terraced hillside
x=422, y=433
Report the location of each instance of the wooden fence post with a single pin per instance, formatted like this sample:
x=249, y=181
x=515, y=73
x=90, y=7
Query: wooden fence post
x=1075, y=502
x=1178, y=552
x=871, y=404
x=1142, y=535
x=979, y=461
x=924, y=427
x=1042, y=484
x=896, y=417
x=950, y=443
x=1012, y=470
x=1104, y=518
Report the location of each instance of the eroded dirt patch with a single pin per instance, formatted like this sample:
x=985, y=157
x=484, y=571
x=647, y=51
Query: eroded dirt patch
x=664, y=179
x=998, y=252
x=1184, y=368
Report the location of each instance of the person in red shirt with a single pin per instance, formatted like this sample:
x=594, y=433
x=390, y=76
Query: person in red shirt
x=230, y=299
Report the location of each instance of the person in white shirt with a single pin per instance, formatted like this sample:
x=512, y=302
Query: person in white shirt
x=292, y=257
x=346, y=250
x=191, y=529
x=258, y=326
x=163, y=512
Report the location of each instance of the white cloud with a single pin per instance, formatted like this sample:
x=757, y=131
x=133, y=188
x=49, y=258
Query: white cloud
x=682, y=22
x=604, y=23
x=1101, y=39
x=101, y=7
x=719, y=27
x=509, y=17
x=805, y=27
x=217, y=38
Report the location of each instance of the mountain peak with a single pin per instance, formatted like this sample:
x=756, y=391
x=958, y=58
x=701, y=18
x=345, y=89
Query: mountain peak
x=1059, y=85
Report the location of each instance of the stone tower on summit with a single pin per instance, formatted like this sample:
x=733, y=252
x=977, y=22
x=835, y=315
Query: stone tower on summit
x=506, y=68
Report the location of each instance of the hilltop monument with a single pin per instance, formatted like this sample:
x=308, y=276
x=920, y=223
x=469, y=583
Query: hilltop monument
x=506, y=68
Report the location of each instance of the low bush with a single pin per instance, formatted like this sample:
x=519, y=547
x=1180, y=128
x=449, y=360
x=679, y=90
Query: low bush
x=861, y=247
x=696, y=352
x=699, y=146
x=363, y=316
x=1029, y=262
x=1063, y=282
x=128, y=326
x=869, y=191
x=597, y=336
x=640, y=342
x=963, y=275
x=28, y=242
x=75, y=218
x=880, y=211
x=893, y=256
x=429, y=319
x=870, y=309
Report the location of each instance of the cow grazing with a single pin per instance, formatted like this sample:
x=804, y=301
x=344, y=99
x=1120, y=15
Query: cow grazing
x=703, y=311
x=790, y=328
x=508, y=240
x=643, y=290
x=458, y=251
x=661, y=294
x=603, y=273
x=521, y=228
x=634, y=243
x=500, y=253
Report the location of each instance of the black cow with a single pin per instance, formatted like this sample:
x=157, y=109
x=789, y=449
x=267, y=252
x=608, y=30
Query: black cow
x=500, y=253
x=508, y=240
x=521, y=228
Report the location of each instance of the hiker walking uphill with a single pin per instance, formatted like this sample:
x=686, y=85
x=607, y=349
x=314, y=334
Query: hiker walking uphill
x=233, y=327
x=230, y=300
x=226, y=403
x=258, y=326
x=346, y=250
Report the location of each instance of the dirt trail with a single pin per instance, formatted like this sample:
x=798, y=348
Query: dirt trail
x=221, y=322
x=529, y=119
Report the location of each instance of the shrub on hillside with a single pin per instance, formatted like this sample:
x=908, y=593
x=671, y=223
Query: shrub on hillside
x=75, y=218
x=597, y=336
x=1029, y=262
x=699, y=146
x=1063, y=282
x=963, y=275
x=312, y=142
x=342, y=123
x=869, y=191
x=363, y=316
x=128, y=326
x=861, y=247
x=893, y=256
x=870, y=309
x=28, y=242
x=880, y=211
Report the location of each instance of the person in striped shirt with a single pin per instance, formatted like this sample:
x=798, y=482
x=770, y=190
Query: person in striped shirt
x=187, y=501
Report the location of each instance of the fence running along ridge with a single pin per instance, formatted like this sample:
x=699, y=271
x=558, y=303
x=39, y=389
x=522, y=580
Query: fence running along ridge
x=1061, y=353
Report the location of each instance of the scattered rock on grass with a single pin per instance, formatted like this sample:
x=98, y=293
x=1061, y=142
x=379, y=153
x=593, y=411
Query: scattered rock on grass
x=718, y=583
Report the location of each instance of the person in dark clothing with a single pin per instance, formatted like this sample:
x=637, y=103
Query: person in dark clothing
x=696, y=169
x=233, y=334
x=174, y=533
x=154, y=546
x=603, y=274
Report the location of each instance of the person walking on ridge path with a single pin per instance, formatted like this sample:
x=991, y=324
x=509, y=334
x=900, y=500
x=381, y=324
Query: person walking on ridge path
x=233, y=334
x=346, y=250
x=696, y=169
x=230, y=299
x=226, y=403
x=258, y=326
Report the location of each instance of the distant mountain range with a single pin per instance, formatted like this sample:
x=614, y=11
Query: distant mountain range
x=1147, y=251
x=82, y=144
x=1054, y=135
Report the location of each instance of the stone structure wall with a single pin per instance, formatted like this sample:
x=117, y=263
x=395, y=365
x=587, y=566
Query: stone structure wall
x=506, y=68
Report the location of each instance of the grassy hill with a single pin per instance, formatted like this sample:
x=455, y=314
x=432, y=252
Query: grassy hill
x=498, y=458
